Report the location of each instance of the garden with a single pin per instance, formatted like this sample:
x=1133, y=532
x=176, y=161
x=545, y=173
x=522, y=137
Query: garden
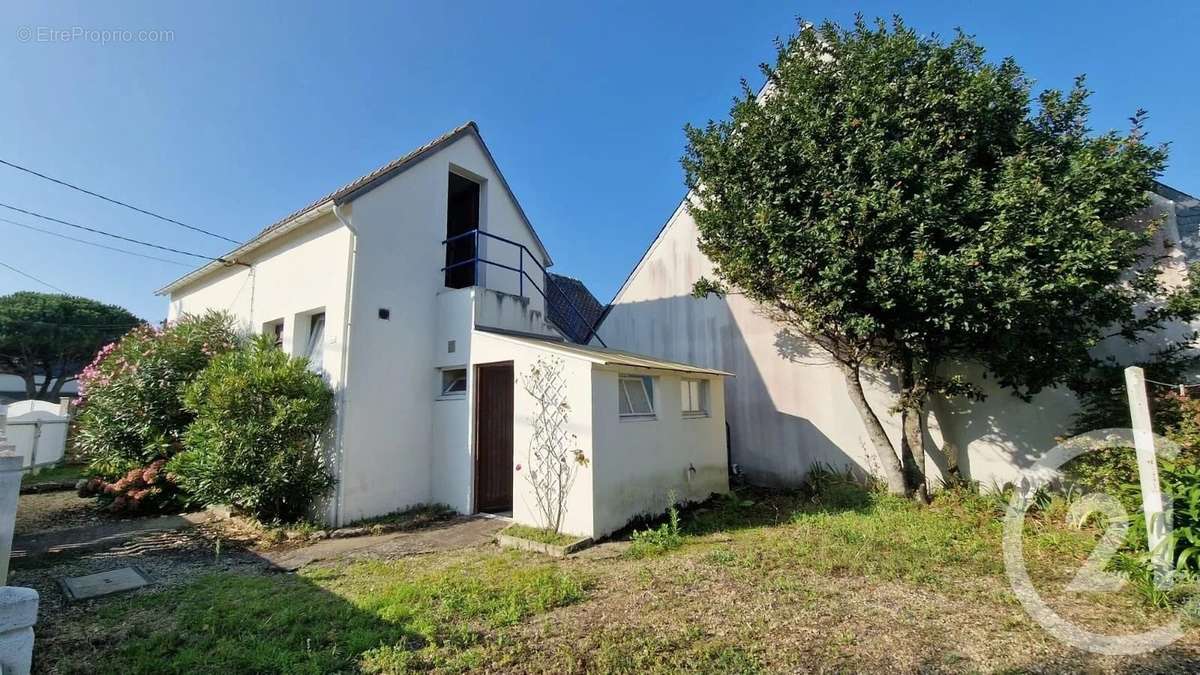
x=196, y=414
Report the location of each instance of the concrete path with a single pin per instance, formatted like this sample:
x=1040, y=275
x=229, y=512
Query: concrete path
x=93, y=537
x=455, y=534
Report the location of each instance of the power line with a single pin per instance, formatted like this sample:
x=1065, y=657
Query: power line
x=30, y=276
x=92, y=243
x=109, y=234
x=117, y=201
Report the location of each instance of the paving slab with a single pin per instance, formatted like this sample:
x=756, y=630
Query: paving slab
x=103, y=583
x=455, y=534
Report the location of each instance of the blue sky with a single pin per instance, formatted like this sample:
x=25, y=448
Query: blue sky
x=252, y=110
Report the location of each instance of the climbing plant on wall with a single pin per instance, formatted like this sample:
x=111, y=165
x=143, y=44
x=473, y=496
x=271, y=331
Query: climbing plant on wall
x=554, y=456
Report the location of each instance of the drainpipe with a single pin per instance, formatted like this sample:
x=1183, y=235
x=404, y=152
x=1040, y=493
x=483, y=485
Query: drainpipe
x=351, y=255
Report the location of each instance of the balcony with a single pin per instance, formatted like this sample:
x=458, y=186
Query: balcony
x=466, y=259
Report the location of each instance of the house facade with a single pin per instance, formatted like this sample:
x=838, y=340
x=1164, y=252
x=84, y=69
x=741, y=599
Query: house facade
x=788, y=407
x=420, y=292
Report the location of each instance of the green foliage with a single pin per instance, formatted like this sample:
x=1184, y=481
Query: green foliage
x=50, y=336
x=131, y=394
x=369, y=617
x=540, y=534
x=259, y=415
x=666, y=537
x=902, y=202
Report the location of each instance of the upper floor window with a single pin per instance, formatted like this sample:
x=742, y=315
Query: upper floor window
x=694, y=398
x=636, y=396
x=315, y=349
x=275, y=330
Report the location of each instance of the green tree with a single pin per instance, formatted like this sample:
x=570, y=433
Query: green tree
x=47, y=338
x=903, y=203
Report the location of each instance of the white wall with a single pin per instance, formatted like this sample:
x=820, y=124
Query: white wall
x=639, y=462
x=389, y=437
x=577, y=373
x=787, y=406
x=292, y=277
x=390, y=457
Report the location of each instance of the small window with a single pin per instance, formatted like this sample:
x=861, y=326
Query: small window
x=275, y=330
x=454, y=382
x=694, y=398
x=636, y=396
x=315, y=349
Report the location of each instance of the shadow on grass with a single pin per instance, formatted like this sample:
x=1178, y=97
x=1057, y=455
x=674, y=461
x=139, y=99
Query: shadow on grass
x=366, y=616
x=751, y=507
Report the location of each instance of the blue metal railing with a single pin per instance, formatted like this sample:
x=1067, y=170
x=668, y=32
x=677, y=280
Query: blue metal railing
x=522, y=275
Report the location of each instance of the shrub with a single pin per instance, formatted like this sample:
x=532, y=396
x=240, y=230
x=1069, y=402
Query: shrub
x=259, y=415
x=140, y=490
x=666, y=537
x=131, y=411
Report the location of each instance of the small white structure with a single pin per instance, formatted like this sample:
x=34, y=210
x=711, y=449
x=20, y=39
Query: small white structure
x=38, y=430
x=420, y=291
x=18, y=606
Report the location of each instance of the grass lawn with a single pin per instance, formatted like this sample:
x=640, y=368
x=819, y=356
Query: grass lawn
x=55, y=474
x=844, y=581
x=540, y=535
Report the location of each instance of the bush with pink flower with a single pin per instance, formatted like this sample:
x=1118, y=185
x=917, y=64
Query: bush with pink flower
x=131, y=410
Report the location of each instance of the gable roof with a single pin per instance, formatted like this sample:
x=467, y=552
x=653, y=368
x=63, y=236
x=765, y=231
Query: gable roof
x=357, y=188
x=572, y=308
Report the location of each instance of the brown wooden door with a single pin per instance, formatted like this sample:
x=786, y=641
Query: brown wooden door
x=494, y=437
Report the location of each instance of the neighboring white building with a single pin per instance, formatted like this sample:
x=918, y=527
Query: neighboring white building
x=419, y=291
x=788, y=408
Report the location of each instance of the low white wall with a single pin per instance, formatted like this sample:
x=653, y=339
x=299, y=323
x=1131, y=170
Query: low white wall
x=577, y=373
x=38, y=430
x=639, y=462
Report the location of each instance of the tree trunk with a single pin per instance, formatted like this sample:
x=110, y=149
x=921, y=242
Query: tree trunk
x=912, y=443
x=889, y=463
x=30, y=385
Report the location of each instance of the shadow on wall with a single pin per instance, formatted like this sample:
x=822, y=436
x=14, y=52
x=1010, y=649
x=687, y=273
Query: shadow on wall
x=788, y=408
x=771, y=439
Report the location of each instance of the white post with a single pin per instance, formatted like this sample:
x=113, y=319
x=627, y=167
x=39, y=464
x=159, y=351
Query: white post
x=10, y=491
x=1147, y=463
x=18, y=606
x=64, y=406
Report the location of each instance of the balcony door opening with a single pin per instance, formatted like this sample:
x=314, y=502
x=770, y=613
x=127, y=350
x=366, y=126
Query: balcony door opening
x=462, y=216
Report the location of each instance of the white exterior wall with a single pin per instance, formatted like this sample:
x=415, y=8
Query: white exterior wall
x=577, y=373
x=639, y=462
x=389, y=439
x=389, y=456
x=291, y=278
x=787, y=404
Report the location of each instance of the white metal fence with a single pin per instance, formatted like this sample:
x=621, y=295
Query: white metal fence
x=38, y=429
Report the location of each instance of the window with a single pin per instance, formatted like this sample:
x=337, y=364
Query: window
x=694, y=398
x=454, y=382
x=275, y=330
x=636, y=396
x=315, y=349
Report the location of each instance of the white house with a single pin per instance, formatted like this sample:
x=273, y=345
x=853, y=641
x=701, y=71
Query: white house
x=788, y=408
x=420, y=291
